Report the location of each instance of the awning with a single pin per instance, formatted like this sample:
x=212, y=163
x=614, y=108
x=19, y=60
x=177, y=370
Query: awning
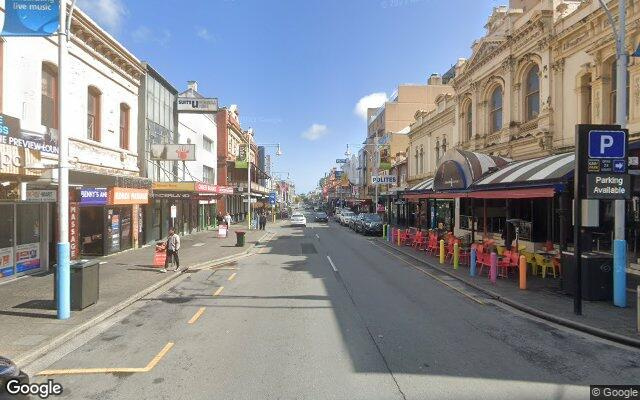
x=524, y=173
x=531, y=193
x=458, y=169
x=427, y=184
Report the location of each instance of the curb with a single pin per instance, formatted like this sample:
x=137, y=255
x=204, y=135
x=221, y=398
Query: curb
x=25, y=360
x=601, y=333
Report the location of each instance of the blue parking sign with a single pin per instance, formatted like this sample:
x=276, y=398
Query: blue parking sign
x=607, y=144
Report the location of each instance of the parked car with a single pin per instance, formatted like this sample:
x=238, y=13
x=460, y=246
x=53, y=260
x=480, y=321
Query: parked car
x=321, y=216
x=298, y=219
x=369, y=224
x=336, y=215
x=353, y=221
x=345, y=216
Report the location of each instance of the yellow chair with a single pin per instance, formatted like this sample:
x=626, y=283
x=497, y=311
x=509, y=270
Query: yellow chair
x=530, y=261
x=522, y=247
x=500, y=250
x=545, y=264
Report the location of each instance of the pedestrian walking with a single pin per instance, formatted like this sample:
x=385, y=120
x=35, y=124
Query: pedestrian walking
x=263, y=221
x=227, y=220
x=173, y=245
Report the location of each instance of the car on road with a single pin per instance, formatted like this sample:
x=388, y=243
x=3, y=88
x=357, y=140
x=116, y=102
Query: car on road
x=321, y=216
x=369, y=224
x=345, y=216
x=298, y=219
x=354, y=221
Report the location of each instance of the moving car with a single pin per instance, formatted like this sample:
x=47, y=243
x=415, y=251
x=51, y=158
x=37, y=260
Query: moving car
x=345, y=216
x=321, y=216
x=298, y=219
x=370, y=224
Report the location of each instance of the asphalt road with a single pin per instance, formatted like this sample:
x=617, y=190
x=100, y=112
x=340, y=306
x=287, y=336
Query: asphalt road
x=323, y=313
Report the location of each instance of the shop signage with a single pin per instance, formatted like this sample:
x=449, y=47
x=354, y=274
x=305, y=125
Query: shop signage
x=384, y=161
x=608, y=186
x=118, y=195
x=208, y=188
x=159, y=195
x=27, y=257
x=11, y=134
x=197, y=105
x=74, y=230
x=41, y=196
x=242, y=159
x=174, y=186
x=6, y=262
x=14, y=159
x=384, y=180
x=173, y=152
x=31, y=17
x=93, y=196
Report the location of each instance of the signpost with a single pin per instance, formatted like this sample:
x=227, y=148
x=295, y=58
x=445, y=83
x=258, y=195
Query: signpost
x=384, y=180
x=341, y=160
x=600, y=173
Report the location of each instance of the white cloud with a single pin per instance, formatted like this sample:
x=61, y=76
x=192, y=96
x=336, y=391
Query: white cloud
x=145, y=34
x=315, y=132
x=203, y=33
x=373, y=100
x=108, y=13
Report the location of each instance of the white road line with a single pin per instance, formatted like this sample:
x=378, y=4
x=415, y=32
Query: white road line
x=317, y=237
x=332, y=264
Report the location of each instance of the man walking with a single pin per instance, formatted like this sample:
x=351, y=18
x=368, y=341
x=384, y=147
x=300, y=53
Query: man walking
x=263, y=221
x=173, y=245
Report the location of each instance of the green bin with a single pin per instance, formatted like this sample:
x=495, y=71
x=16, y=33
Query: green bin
x=240, y=238
x=85, y=284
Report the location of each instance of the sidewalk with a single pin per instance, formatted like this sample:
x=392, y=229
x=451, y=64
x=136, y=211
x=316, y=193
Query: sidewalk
x=545, y=299
x=27, y=312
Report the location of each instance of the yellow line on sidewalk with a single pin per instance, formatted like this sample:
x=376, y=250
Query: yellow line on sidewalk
x=230, y=278
x=86, y=371
x=196, y=315
x=218, y=291
x=428, y=274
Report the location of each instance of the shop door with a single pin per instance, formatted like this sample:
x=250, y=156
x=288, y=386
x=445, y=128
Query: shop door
x=125, y=227
x=6, y=240
x=92, y=239
x=28, y=232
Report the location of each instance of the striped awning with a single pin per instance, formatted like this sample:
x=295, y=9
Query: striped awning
x=546, y=169
x=427, y=184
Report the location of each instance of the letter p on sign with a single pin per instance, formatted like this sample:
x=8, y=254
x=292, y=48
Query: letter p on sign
x=607, y=144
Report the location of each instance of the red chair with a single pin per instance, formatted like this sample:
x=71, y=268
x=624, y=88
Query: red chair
x=424, y=242
x=417, y=238
x=483, y=260
x=403, y=236
x=432, y=249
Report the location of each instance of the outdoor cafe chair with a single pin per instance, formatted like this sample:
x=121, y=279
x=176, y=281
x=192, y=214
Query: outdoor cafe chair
x=433, y=247
x=545, y=264
x=417, y=238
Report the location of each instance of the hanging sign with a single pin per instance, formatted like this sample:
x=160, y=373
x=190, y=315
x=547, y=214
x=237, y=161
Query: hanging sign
x=93, y=196
x=31, y=17
x=173, y=152
x=384, y=180
x=241, y=160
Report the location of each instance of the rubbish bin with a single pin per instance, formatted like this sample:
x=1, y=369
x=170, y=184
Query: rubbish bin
x=240, y=238
x=85, y=284
x=597, y=275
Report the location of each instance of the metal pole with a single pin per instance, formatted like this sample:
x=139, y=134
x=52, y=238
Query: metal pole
x=62, y=249
x=249, y=185
x=620, y=244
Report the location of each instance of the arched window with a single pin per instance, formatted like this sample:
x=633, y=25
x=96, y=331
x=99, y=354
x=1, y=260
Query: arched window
x=532, y=93
x=49, y=96
x=93, y=113
x=124, y=126
x=468, y=121
x=613, y=92
x=495, y=109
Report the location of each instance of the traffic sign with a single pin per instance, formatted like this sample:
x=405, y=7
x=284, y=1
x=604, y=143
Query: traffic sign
x=272, y=198
x=607, y=144
x=341, y=160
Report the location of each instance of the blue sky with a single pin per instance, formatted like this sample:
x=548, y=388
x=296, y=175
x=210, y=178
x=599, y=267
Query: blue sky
x=296, y=68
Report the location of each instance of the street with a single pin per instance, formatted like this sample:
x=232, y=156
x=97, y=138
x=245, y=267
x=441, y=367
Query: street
x=323, y=313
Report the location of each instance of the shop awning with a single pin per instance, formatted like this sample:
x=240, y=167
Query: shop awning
x=532, y=193
x=537, y=171
x=426, y=184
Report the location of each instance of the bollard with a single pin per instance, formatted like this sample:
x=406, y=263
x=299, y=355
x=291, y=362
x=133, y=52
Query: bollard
x=620, y=273
x=456, y=255
x=523, y=272
x=398, y=236
x=441, y=251
x=384, y=230
x=389, y=233
x=493, y=271
x=472, y=263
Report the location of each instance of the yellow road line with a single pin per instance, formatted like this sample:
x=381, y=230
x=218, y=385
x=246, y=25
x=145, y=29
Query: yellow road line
x=429, y=274
x=196, y=315
x=218, y=291
x=86, y=371
x=230, y=278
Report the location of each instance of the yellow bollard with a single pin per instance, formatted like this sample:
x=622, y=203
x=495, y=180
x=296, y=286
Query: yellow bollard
x=398, y=235
x=456, y=255
x=523, y=272
x=441, y=251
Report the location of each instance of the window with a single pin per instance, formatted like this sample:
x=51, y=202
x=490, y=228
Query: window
x=496, y=109
x=93, y=114
x=49, y=102
x=612, y=93
x=207, y=144
x=468, y=119
x=208, y=174
x=124, y=126
x=532, y=94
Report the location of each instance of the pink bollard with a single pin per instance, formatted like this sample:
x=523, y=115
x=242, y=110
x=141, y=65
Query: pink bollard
x=493, y=271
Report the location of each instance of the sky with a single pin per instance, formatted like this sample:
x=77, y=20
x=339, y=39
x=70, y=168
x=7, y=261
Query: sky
x=301, y=71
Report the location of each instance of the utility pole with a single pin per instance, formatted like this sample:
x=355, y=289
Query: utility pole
x=63, y=277
x=377, y=166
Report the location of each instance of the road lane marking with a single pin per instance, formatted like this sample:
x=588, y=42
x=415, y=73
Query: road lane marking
x=430, y=275
x=86, y=371
x=317, y=237
x=230, y=278
x=217, y=293
x=332, y=264
x=196, y=315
